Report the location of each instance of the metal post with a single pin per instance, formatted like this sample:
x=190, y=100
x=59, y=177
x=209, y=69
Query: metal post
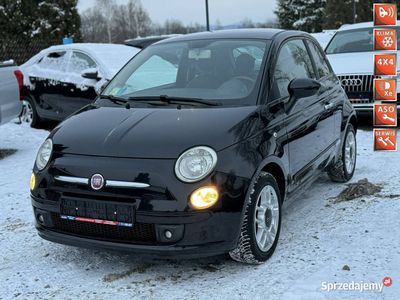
x=354, y=11
x=208, y=22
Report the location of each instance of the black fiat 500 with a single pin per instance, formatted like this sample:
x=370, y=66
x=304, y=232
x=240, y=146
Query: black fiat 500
x=193, y=146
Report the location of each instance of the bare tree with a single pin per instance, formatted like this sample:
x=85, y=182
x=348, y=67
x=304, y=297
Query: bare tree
x=107, y=8
x=196, y=27
x=218, y=25
x=247, y=23
x=174, y=27
x=93, y=26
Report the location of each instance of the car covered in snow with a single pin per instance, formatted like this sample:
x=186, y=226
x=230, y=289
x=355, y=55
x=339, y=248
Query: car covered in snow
x=192, y=147
x=350, y=53
x=62, y=79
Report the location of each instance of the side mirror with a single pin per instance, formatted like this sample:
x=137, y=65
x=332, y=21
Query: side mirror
x=90, y=74
x=303, y=87
x=300, y=88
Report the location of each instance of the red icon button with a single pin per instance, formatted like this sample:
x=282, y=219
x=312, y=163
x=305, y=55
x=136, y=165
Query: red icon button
x=387, y=281
x=385, y=14
x=385, y=139
x=385, y=89
x=385, y=39
x=385, y=115
x=385, y=64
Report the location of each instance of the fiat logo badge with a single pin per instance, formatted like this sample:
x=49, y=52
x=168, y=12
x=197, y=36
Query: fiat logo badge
x=97, y=182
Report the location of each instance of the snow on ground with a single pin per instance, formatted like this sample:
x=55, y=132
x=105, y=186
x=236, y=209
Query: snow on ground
x=318, y=238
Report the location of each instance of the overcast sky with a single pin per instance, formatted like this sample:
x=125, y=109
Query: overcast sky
x=227, y=11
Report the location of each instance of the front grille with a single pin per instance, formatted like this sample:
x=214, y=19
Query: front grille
x=358, y=83
x=139, y=233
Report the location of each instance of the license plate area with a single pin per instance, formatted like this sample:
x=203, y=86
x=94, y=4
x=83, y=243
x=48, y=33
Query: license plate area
x=96, y=211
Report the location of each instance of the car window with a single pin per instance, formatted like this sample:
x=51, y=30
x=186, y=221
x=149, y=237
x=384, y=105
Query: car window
x=357, y=40
x=256, y=52
x=79, y=62
x=293, y=62
x=148, y=75
x=222, y=70
x=320, y=60
x=56, y=61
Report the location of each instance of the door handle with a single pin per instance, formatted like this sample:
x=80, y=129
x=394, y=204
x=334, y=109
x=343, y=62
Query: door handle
x=328, y=106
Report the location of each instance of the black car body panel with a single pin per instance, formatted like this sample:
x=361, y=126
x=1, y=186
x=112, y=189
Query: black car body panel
x=151, y=128
x=295, y=141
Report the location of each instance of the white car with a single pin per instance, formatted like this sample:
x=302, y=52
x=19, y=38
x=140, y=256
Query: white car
x=350, y=53
x=62, y=79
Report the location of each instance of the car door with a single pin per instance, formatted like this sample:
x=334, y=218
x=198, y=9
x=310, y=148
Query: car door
x=79, y=91
x=330, y=87
x=46, y=77
x=309, y=128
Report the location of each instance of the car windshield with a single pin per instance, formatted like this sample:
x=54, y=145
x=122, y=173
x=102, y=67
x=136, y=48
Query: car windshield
x=226, y=71
x=357, y=40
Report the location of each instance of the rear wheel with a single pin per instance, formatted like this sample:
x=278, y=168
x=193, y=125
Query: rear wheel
x=343, y=170
x=262, y=222
x=29, y=114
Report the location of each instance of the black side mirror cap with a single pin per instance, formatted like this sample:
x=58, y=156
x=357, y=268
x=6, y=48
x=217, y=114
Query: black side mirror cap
x=300, y=88
x=90, y=74
x=303, y=87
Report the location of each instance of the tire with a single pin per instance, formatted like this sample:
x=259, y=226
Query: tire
x=29, y=114
x=344, y=168
x=250, y=248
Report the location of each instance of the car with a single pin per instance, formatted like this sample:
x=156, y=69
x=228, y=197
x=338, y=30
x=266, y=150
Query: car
x=350, y=53
x=11, y=91
x=192, y=148
x=62, y=79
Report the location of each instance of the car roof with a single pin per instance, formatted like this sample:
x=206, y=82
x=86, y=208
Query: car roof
x=253, y=33
x=360, y=25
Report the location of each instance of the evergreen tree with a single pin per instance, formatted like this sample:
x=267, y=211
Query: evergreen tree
x=306, y=15
x=339, y=12
x=43, y=19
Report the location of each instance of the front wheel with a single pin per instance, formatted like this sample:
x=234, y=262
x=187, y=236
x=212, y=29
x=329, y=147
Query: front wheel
x=262, y=222
x=343, y=170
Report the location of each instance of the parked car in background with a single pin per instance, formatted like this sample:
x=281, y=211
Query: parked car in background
x=350, y=53
x=11, y=91
x=200, y=146
x=62, y=79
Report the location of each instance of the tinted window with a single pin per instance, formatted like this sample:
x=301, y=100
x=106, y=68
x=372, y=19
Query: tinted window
x=319, y=58
x=55, y=61
x=79, y=62
x=293, y=62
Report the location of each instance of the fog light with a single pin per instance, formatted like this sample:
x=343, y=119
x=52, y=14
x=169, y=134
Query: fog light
x=204, y=197
x=168, y=234
x=33, y=181
x=40, y=218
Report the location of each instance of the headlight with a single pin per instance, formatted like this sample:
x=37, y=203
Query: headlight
x=44, y=154
x=195, y=164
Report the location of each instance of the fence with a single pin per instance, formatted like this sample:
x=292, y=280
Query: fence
x=20, y=50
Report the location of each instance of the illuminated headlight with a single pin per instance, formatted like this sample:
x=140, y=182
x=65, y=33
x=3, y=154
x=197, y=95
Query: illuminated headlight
x=195, y=164
x=44, y=154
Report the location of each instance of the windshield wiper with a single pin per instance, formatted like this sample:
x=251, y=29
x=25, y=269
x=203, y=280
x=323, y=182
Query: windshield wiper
x=173, y=99
x=113, y=98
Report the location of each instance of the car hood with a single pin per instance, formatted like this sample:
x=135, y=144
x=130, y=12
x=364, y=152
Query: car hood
x=354, y=63
x=151, y=132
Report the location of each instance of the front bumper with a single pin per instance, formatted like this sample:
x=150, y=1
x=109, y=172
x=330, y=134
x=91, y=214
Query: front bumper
x=161, y=207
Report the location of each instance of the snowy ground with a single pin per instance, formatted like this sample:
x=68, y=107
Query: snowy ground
x=318, y=238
